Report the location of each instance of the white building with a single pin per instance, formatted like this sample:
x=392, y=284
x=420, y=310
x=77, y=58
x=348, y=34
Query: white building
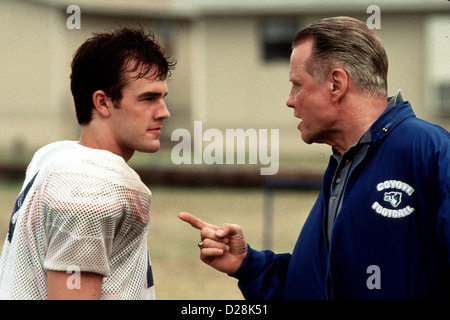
x=232, y=69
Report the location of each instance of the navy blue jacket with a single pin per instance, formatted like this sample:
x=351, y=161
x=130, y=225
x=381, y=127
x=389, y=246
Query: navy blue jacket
x=391, y=238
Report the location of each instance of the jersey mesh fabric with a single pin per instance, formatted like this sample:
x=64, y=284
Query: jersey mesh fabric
x=84, y=210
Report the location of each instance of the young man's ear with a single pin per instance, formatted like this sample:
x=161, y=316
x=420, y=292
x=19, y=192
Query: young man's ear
x=102, y=103
x=338, y=83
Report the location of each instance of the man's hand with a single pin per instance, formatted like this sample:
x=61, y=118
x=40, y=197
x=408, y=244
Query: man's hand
x=224, y=248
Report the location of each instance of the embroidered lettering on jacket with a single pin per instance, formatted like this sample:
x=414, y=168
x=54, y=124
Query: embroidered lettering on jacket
x=394, y=198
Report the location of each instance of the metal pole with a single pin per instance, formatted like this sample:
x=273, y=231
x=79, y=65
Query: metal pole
x=268, y=218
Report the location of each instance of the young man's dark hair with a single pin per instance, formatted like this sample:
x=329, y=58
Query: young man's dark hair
x=102, y=61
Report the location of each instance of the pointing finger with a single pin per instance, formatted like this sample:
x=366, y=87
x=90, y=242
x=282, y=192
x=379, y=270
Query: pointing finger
x=195, y=222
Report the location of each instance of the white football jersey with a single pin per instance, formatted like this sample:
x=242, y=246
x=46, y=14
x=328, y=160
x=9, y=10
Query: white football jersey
x=80, y=209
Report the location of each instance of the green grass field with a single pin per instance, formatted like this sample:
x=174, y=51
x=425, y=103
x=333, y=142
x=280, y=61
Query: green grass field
x=177, y=269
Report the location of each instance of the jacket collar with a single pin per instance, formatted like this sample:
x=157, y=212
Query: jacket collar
x=395, y=112
x=390, y=118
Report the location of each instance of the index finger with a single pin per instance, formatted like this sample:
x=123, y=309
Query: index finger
x=195, y=222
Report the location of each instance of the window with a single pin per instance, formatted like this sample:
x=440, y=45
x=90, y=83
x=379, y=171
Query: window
x=277, y=35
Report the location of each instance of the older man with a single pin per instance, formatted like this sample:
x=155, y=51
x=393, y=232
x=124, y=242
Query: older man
x=380, y=228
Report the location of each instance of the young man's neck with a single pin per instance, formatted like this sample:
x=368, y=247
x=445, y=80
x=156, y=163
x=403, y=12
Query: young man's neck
x=100, y=139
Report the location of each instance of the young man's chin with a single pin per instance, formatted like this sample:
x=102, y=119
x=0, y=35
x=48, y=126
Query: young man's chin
x=150, y=149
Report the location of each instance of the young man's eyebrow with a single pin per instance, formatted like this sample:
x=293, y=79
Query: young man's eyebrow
x=151, y=94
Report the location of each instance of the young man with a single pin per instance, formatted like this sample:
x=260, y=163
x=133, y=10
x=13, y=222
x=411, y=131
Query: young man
x=79, y=226
x=380, y=228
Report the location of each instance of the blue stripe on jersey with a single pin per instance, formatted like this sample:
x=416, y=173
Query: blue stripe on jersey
x=149, y=274
x=19, y=202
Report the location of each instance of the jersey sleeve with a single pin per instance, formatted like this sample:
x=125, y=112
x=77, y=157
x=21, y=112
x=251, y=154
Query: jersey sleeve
x=83, y=210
